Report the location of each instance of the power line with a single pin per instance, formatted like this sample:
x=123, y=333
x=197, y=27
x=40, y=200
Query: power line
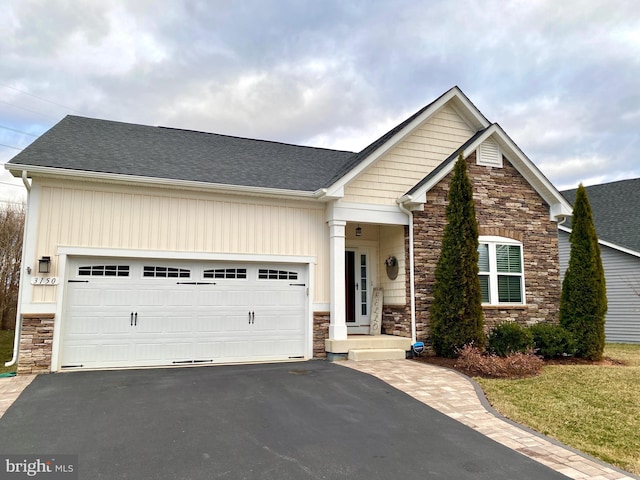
x=29, y=110
x=9, y=146
x=39, y=98
x=11, y=184
x=19, y=131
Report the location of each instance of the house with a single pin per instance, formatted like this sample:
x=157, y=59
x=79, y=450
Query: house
x=156, y=246
x=616, y=214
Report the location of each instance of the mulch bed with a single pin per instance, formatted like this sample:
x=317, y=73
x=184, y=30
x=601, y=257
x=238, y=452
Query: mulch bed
x=452, y=362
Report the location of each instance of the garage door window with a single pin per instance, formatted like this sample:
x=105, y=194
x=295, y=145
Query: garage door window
x=265, y=274
x=104, y=271
x=237, y=273
x=165, y=272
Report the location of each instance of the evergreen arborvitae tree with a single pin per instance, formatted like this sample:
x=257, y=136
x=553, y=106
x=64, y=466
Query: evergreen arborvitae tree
x=456, y=311
x=583, y=303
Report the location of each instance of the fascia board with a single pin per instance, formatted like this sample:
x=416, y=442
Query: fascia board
x=560, y=207
x=52, y=172
x=622, y=249
x=461, y=102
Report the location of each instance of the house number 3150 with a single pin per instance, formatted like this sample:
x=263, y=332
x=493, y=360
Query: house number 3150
x=44, y=280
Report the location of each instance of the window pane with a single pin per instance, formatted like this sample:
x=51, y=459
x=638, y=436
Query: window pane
x=483, y=257
x=509, y=289
x=508, y=258
x=484, y=288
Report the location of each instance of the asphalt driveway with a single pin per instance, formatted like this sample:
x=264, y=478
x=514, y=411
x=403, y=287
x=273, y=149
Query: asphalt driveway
x=312, y=420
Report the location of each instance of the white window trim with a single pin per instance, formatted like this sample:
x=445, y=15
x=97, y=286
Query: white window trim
x=492, y=241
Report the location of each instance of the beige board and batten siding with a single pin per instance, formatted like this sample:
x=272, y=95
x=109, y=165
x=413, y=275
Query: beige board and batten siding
x=392, y=244
x=411, y=160
x=112, y=216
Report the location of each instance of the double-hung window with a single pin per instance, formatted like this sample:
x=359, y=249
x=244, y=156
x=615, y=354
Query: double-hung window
x=501, y=271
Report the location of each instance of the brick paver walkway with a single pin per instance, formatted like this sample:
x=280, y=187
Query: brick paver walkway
x=456, y=396
x=11, y=388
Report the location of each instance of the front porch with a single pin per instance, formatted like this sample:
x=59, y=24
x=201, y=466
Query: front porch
x=368, y=347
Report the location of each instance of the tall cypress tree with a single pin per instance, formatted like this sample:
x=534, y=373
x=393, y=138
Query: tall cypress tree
x=456, y=311
x=583, y=303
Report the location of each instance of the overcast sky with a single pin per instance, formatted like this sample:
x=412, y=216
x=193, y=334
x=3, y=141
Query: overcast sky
x=561, y=77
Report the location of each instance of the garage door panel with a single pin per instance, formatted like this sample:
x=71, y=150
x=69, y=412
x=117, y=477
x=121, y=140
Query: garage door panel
x=232, y=315
x=180, y=298
x=86, y=297
x=209, y=324
x=210, y=298
x=151, y=298
x=150, y=324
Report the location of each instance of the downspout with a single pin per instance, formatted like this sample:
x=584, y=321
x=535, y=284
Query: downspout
x=16, y=338
x=412, y=285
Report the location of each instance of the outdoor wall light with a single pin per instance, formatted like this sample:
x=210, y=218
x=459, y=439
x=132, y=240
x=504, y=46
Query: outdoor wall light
x=44, y=265
x=358, y=231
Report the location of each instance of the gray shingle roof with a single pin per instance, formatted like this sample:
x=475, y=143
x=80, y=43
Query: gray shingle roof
x=88, y=144
x=616, y=211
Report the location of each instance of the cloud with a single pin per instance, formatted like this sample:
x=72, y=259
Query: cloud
x=560, y=77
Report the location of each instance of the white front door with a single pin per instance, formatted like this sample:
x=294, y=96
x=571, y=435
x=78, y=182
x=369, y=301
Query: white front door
x=358, y=289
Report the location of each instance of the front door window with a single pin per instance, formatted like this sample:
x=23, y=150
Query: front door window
x=357, y=287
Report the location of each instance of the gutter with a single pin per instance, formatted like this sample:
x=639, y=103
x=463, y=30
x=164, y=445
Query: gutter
x=118, y=178
x=412, y=286
x=16, y=338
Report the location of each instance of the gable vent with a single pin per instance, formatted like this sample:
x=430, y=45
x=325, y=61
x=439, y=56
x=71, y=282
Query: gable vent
x=489, y=154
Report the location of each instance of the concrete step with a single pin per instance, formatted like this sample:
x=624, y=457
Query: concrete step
x=377, y=354
x=362, y=342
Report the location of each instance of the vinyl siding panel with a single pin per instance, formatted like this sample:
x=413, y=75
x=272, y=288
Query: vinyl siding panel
x=392, y=244
x=622, y=273
x=110, y=216
x=411, y=160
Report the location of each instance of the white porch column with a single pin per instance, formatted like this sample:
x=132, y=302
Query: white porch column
x=337, y=325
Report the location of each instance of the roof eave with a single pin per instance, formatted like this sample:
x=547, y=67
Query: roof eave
x=615, y=246
x=62, y=173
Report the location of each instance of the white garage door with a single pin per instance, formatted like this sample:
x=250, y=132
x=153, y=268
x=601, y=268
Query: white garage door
x=149, y=312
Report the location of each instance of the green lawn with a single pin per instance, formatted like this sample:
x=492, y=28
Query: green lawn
x=6, y=350
x=594, y=408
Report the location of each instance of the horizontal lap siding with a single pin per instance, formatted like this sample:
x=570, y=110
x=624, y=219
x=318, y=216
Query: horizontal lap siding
x=151, y=219
x=622, y=273
x=411, y=160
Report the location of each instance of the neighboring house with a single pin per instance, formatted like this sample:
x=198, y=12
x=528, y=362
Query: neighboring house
x=171, y=247
x=616, y=214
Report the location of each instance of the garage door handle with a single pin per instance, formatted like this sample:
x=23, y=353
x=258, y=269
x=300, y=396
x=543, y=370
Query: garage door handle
x=252, y=317
x=135, y=321
x=131, y=323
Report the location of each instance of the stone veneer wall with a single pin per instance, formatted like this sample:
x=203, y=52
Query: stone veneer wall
x=321, y=322
x=36, y=342
x=506, y=205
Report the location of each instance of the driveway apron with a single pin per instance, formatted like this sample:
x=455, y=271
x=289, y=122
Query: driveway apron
x=283, y=421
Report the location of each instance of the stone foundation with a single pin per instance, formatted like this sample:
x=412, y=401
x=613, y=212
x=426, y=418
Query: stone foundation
x=36, y=342
x=320, y=333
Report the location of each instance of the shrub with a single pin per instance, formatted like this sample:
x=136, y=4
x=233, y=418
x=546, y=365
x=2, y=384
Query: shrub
x=517, y=365
x=508, y=338
x=552, y=340
x=583, y=303
x=456, y=310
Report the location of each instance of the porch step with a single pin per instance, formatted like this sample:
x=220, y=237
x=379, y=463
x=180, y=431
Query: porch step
x=362, y=342
x=377, y=354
